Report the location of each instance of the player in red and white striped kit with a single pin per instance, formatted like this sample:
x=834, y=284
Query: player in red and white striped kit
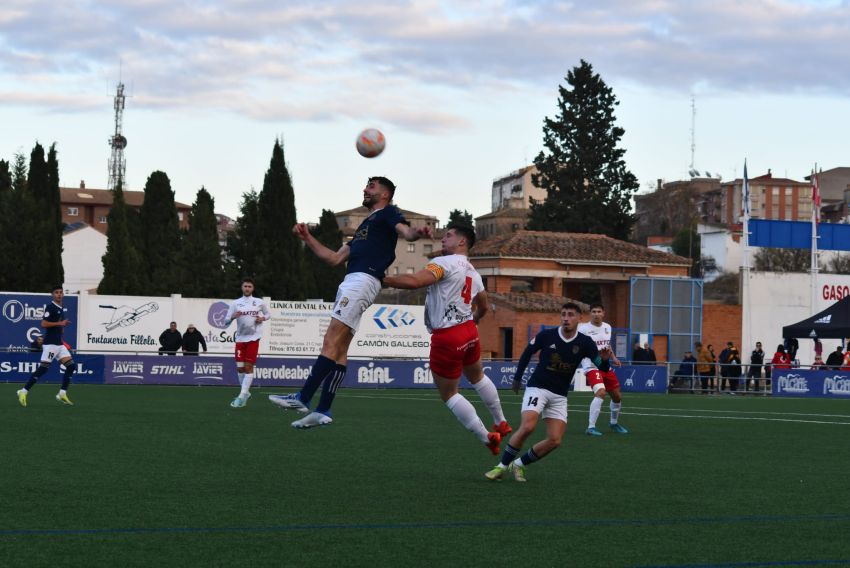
x=606, y=381
x=455, y=301
x=249, y=313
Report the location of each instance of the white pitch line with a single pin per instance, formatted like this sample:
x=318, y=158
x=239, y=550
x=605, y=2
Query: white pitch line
x=630, y=413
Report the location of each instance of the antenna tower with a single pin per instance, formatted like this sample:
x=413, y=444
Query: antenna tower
x=693, y=130
x=117, y=165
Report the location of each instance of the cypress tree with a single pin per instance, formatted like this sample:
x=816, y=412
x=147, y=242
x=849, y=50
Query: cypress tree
x=204, y=275
x=160, y=236
x=242, y=243
x=280, y=273
x=589, y=188
x=123, y=272
x=20, y=235
x=6, y=251
x=326, y=278
x=43, y=262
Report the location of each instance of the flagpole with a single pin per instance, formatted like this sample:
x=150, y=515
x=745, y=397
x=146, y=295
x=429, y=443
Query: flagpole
x=746, y=332
x=815, y=219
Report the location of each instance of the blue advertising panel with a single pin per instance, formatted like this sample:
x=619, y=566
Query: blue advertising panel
x=798, y=234
x=169, y=370
x=17, y=367
x=642, y=378
x=20, y=319
x=811, y=384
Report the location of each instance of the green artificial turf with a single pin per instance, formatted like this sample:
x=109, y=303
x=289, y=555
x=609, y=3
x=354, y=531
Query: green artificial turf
x=172, y=476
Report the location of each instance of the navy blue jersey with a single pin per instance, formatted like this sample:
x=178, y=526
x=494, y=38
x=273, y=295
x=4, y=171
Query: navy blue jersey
x=373, y=245
x=54, y=313
x=559, y=360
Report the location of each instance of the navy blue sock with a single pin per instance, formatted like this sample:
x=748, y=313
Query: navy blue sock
x=509, y=454
x=35, y=376
x=529, y=457
x=66, y=378
x=329, y=389
x=321, y=369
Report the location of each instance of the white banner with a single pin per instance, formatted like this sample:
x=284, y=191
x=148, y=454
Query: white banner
x=297, y=328
x=122, y=323
x=208, y=317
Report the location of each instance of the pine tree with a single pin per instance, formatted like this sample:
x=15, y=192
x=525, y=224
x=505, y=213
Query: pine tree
x=204, y=275
x=326, y=278
x=588, y=186
x=160, y=236
x=463, y=217
x=123, y=272
x=280, y=272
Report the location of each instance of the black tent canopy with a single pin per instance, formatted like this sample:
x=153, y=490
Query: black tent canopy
x=833, y=322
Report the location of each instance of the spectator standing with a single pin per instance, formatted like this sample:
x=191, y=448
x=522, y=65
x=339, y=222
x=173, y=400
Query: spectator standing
x=193, y=340
x=781, y=359
x=705, y=365
x=733, y=366
x=713, y=381
x=170, y=340
x=724, y=364
x=818, y=364
x=651, y=359
x=639, y=355
x=756, y=362
x=818, y=348
x=835, y=359
x=791, y=347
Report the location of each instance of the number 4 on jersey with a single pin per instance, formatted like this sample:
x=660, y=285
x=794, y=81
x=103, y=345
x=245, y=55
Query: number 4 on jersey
x=466, y=292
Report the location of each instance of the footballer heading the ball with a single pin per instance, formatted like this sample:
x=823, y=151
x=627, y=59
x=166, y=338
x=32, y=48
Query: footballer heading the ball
x=371, y=142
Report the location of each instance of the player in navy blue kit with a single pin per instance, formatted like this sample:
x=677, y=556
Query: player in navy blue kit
x=53, y=321
x=369, y=254
x=563, y=350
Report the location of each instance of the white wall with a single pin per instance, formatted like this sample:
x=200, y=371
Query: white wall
x=719, y=244
x=778, y=299
x=82, y=251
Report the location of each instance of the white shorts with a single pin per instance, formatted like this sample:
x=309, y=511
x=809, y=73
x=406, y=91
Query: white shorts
x=354, y=296
x=545, y=403
x=51, y=352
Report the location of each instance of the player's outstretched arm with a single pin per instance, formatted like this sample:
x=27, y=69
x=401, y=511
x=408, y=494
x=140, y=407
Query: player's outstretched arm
x=411, y=281
x=524, y=360
x=409, y=233
x=325, y=254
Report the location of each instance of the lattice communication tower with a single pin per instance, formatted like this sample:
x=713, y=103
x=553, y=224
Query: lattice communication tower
x=117, y=165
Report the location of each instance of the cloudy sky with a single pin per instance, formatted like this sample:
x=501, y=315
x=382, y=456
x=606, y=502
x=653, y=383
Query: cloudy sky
x=459, y=88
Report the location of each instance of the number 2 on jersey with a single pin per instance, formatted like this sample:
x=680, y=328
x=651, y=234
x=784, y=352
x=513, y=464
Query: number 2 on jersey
x=466, y=291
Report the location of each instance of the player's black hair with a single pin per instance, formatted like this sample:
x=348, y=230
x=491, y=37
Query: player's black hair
x=248, y=279
x=597, y=305
x=57, y=287
x=465, y=231
x=571, y=306
x=381, y=180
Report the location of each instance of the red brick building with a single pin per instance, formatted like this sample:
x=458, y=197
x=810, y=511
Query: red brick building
x=529, y=274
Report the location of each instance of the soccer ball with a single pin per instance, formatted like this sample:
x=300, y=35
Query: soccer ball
x=370, y=142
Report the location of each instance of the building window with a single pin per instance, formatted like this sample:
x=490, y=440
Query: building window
x=73, y=211
x=102, y=219
x=409, y=270
x=395, y=270
x=179, y=215
x=428, y=249
x=411, y=247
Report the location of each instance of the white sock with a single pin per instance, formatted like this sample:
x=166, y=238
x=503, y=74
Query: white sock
x=241, y=376
x=247, y=379
x=62, y=391
x=615, y=411
x=466, y=415
x=595, y=409
x=490, y=395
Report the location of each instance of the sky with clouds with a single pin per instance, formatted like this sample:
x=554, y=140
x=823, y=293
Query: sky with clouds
x=460, y=89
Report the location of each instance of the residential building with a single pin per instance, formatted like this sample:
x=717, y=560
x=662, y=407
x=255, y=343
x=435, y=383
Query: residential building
x=516, y=190
x=502, y=222
x=91, y=206
x=83, y=248
x=770, y=198
x=834, y=187
x=673, y=206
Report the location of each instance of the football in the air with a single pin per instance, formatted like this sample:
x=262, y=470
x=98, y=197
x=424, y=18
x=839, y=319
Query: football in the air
x=371, y=142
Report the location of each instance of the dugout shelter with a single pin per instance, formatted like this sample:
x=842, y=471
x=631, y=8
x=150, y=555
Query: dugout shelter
x=831, y=323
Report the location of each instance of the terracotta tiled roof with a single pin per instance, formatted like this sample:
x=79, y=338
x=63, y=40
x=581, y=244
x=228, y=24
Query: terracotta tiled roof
x=532, y=301
x=583, y=247
x=507, y=213
x=86, y=196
